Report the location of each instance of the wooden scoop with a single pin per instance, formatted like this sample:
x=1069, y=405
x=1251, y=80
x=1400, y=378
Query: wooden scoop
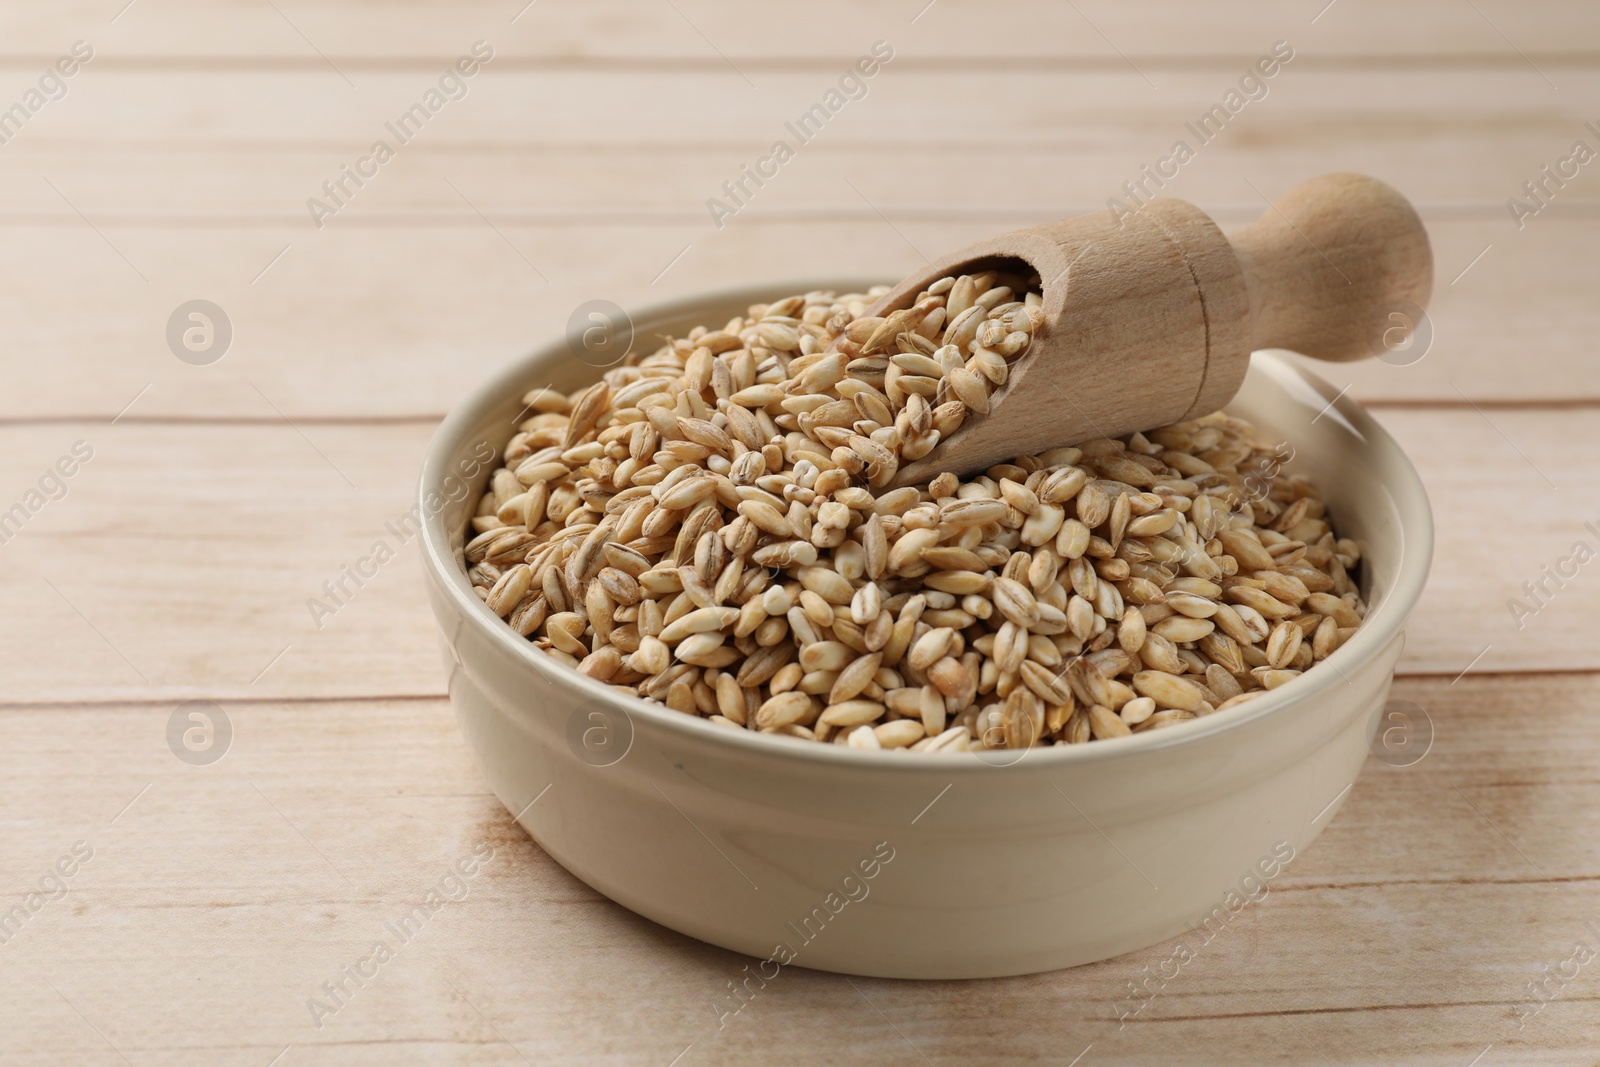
x=1152, y=319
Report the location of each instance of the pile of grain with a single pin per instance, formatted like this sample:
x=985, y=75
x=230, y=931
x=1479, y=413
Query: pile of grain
x=710, y=527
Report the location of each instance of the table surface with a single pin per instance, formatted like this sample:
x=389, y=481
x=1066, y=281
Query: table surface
x=177, y=562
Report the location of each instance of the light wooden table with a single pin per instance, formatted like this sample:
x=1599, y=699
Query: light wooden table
x=220, y=497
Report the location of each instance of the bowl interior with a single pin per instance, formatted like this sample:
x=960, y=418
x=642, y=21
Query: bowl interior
x=1371, y=488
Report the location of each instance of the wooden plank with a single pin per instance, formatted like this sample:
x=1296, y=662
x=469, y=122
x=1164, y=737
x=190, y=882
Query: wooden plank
x=1091, y=30
x=116, y=189
x=1467, y=169
x=358, y=323
x=183, y=557
x=179, y=563
x=1414, y=113
x=217, y=903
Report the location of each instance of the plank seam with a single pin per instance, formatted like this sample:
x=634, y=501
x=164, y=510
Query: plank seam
x=45, y=705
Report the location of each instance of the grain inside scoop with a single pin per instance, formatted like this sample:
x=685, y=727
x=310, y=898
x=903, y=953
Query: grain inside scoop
x=1151, y=318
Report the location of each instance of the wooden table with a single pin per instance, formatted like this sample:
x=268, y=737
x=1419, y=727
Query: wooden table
x=222, y=493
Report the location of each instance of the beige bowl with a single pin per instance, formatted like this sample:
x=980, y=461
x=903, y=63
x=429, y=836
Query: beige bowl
x=898, y=865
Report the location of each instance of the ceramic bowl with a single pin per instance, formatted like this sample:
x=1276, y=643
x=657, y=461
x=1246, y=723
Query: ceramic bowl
x=896, y=865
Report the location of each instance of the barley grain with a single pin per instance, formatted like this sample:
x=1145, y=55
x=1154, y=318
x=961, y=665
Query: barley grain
x=709, y=526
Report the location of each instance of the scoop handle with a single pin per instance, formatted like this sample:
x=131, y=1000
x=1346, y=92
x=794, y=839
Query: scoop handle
x=1333, y=267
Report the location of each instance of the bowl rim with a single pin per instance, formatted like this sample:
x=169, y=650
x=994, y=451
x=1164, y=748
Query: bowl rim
x=1381, y=626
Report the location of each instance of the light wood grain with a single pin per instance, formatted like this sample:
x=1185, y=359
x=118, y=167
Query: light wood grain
x=579, y=166
x=217, y=903
x=261, y=141
x=194, y=183
x=1093, y=30
x=386, y=324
